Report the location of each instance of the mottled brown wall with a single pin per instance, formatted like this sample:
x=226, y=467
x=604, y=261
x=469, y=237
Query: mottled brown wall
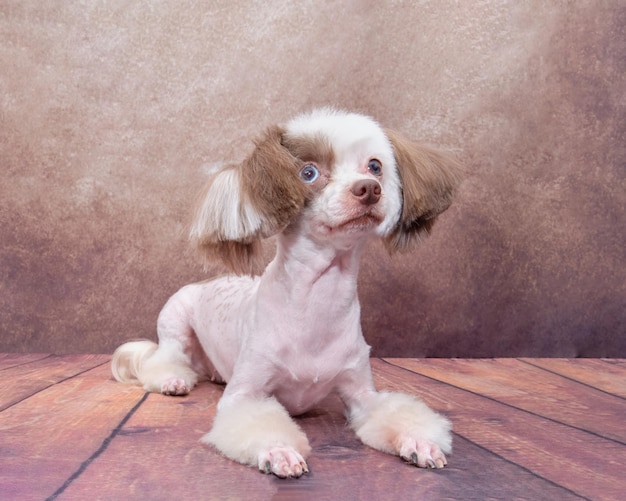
x=112, y=113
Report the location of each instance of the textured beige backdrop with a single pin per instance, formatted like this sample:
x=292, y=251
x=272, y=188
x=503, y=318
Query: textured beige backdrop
x=112, y=113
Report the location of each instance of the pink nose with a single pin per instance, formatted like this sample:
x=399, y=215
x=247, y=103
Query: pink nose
x=367, y=191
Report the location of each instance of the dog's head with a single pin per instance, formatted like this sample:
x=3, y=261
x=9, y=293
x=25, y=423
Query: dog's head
x=338, y=176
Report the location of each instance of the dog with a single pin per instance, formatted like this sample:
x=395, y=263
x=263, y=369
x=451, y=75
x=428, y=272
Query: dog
x=324, y=184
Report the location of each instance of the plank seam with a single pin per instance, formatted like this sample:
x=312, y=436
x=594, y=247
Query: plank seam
x=569, y=378
x=531, y=472
x=103, y=447
x=26, y=397
x=20, y=364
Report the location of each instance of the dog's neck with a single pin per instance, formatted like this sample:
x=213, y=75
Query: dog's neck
x=309, y=291
x=305, y=267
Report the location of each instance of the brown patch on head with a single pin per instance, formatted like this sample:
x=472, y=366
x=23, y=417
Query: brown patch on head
x=429, y=180
x=310, y=149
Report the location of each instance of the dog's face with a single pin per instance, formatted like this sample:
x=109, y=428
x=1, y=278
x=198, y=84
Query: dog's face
x=348, y=164
x=334, y=175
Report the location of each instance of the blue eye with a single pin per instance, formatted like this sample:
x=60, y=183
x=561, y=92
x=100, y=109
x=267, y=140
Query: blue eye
x=375, y=167
x=309, y=173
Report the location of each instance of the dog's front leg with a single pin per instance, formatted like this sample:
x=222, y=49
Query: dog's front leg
x=259, y=432
x=396, y=423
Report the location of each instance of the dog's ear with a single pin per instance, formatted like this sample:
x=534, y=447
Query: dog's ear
x=429, y=179
x=245, y=203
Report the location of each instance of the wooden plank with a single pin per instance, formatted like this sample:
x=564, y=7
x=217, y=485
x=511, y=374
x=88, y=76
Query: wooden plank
x=581, y=462
x=45, y=438
x=26, y=379
x=8, y=360
x=605, y=374
x=157, y=453
x=527, y=387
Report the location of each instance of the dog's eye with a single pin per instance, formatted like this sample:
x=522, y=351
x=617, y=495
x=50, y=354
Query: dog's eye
x=309, y=173
x=375, y=167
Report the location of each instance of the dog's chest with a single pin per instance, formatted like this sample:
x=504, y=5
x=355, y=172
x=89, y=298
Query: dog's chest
x=302, y=379
x=301, y=390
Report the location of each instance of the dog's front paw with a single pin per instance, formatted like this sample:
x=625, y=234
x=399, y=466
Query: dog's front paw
x=403, y=425
x=175, y=386
x=283, y=462
x=422, y=453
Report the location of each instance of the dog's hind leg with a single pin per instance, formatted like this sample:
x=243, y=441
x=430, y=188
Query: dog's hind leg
x=165, y=368
x=168, y=370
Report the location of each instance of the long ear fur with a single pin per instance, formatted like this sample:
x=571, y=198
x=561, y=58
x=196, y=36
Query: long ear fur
x=245, y=203
x=429, y=179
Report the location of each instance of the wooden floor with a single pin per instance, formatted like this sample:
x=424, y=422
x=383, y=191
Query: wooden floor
x=537, y=429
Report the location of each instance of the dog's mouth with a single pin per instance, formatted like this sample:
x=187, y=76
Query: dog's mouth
x=362, y=222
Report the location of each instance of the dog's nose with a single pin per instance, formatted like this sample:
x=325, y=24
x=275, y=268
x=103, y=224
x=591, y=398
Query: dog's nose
x=367, y=191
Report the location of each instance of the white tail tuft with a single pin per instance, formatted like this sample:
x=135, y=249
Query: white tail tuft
x=128, y=359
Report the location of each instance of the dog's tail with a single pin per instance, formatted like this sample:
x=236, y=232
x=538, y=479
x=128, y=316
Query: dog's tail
x=128, y=359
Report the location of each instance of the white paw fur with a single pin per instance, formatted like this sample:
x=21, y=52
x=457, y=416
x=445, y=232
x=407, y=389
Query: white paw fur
x=260, y=433
x=400, y=424
x=150, y=364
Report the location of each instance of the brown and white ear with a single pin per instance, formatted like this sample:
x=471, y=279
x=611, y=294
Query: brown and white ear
x=245, y=203
x=429, y=180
